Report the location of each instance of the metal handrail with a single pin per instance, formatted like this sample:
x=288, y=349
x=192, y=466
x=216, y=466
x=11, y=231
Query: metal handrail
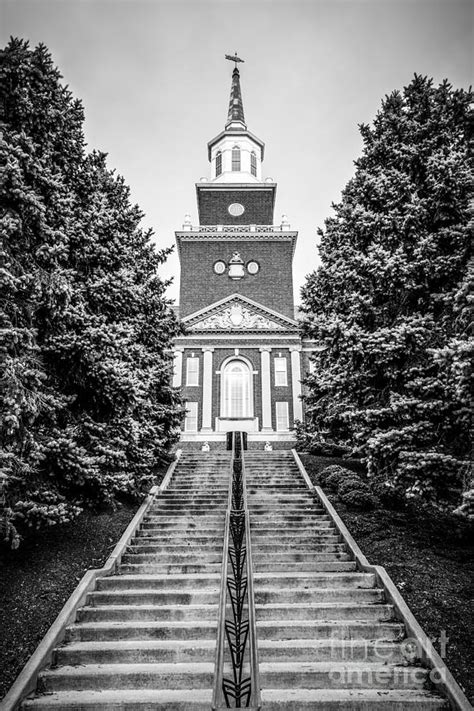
x=254, y=665
x=236, y=587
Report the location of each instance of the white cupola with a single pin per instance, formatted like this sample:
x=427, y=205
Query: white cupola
x=236, y=155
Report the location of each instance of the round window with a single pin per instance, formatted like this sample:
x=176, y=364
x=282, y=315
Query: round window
x=253, y=267
x=219, y=267
x=236, y=209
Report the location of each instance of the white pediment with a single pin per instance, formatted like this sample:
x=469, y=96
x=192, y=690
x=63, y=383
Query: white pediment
x=237, y=313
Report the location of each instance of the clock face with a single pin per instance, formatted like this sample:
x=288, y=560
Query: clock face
x=253, y=267
x=219, y=267
x=236, y=209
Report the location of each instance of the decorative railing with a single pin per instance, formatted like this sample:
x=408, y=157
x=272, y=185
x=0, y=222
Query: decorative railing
x=237, y=228
x=236, y=682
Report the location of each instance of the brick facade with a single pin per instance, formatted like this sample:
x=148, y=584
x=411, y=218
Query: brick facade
x=257, y=201
x=200, y=286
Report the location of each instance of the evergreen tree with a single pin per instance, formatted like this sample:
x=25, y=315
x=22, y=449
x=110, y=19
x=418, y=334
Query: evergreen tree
x=388, y=304
x=86, y=330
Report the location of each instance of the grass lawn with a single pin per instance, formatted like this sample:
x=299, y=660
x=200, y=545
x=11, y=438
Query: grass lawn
x=430, y=562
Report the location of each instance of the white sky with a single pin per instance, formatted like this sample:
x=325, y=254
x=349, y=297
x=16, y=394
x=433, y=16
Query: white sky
x=155, y=87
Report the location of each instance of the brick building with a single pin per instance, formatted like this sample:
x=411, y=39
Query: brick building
x=241, y=361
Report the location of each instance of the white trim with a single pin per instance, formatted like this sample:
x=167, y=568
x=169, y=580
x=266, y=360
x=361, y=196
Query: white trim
x=191, y=417
x=190, y=372
x=281, y=371
x=233, y=358
x=207, y=389
x=244, y=299
x=178, y=367
x=282, y=415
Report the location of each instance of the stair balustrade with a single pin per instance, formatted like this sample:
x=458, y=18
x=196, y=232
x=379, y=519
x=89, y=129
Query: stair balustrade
x=236, y=675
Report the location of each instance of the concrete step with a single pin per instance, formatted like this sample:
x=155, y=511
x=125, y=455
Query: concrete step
x=157, y=582
x=334, y=650
x=153, y=613
x=125, y=700
x=163, y=558
x=179, y=569
x=284, y=595
x=272, y=532
x=201, y=517
x=189, y=675
x=153, y=597
x=258, y=522
x=184, y=546
x=327, y=566
x=341, y=675
x=334, y=629
x=315, y=579
x=351, y=700
x=178, y=538
x=304, y=555
x=137, y=652
x=325, y=611
x=264, y=544
x=141, y=630
x=181, y=526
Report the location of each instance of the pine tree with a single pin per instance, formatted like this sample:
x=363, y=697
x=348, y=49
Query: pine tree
x=388, y=303
x=86, y=329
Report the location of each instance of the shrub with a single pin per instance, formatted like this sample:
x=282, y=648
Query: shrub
x=349, y=484
x=332, y=475
x=359, y=497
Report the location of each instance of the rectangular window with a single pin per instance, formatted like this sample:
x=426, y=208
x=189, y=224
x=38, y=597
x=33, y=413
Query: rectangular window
x=253, y=164
x=236, y=159
x=192, y=371
x=191, y=419
x=218, y=164
x=281, y=376
x=282, y=420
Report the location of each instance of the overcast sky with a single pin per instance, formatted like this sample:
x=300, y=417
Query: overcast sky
x=155, y=88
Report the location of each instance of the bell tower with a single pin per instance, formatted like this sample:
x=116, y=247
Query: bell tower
x=236, y=222
x=239, y=364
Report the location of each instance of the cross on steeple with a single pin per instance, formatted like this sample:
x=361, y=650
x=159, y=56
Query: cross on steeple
x=234, y=58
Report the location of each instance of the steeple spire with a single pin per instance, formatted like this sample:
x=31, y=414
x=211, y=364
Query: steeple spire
x=235, y=117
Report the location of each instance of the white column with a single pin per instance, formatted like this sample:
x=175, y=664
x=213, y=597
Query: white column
x=178, y=367
x=296, y=382
x=266, y=389
x=207, y=390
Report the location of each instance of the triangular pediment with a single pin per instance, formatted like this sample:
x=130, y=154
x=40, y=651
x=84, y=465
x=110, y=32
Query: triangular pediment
x=238, y=313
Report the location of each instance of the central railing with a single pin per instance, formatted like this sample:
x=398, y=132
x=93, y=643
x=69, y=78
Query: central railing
x=236, y=682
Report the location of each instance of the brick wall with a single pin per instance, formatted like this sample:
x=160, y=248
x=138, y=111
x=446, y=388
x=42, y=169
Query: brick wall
x=213, y=206
x=271, y=287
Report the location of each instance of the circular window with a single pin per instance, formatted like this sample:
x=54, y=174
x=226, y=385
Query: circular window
x=236, y=209
x=219, y=267
x=253, y=267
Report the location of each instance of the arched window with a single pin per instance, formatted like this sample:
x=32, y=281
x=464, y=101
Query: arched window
x=236, y=390
x=253, y=163
x=235, y=158
x=218, y=163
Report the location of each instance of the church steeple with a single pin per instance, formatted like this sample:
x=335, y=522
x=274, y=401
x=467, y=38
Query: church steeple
x=235, y=154
x=235, y=116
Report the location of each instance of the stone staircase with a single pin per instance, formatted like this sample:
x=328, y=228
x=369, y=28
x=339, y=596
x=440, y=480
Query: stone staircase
x=146, y=638
x=326, y=637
